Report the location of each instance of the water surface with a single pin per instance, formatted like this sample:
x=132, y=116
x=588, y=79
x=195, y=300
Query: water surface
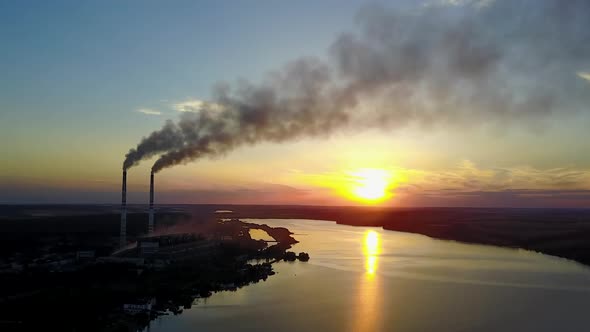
x=369, y=279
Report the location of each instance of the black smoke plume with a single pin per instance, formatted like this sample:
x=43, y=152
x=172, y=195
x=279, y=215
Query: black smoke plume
x=459, y=63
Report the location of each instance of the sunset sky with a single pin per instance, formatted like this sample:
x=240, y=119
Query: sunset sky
x=82, y=82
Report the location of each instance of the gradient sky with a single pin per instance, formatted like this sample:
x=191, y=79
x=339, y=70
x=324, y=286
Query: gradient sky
x=82, y=82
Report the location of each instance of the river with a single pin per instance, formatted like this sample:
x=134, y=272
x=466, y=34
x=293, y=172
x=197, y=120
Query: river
x=369, y=279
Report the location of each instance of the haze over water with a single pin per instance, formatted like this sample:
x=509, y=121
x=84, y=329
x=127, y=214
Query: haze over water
x=369, y=279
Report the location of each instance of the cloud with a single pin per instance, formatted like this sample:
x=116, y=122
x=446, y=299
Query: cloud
x=518, y=186
x=584, y=75
x=148, y=111
x=191, y=105
x=467, y=179
x=475, y=3
x=196, y=105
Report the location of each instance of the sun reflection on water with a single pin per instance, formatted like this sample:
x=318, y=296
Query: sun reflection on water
x=371, y=251
x=368, y=307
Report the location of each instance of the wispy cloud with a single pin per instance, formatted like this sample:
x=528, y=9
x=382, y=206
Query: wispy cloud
x=466, y=184
x=195, y=105
x=467, y=177
x=584, y=75
x=474, y=3
x=191, y=105
x=148, y=111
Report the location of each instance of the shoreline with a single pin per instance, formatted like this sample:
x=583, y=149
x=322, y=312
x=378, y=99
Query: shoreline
x=128, y=291
x=563, y=233
x=556, y=232
x=226, y=252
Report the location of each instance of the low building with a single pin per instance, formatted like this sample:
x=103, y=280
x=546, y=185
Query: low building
x=122, y=260
x=148, y=247
x=85, y=254
x=141, y=307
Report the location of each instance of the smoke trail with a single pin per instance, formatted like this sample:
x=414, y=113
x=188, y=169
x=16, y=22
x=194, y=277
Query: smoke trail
x=160, y=141
x=446, y=63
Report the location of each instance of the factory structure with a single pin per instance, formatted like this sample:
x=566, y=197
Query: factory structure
x=123, y=231
x=123, y=236
x=162, y=248
x=151, y=212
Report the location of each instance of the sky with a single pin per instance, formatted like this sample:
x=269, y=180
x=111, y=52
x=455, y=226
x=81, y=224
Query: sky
x=451, y=103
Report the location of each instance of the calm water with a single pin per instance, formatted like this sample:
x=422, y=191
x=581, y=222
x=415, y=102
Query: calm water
x=368, y=279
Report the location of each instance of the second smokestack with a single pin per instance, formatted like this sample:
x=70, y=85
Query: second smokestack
x=123, y=234
x=151, y=213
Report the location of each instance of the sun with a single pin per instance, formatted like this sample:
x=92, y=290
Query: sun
x=371, y=185
x=368, y=186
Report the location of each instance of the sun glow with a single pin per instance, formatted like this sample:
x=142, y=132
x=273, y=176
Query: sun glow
x=371, y=185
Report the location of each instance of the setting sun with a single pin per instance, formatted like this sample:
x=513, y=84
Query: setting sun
x=371, y=184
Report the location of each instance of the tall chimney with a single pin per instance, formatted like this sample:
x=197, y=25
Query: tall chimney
x=123, y=236
x=151, y=216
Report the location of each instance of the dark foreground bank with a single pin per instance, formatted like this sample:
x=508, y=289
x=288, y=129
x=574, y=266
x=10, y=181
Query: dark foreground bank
x=73, y=278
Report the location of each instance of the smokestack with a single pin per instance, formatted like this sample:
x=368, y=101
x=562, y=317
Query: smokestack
x=123, y=236
x=151, y=215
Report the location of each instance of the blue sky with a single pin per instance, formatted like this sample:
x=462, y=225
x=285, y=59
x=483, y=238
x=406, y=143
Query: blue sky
x=69, y=51
x=84, y=64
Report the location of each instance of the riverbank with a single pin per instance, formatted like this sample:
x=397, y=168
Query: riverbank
x=48, y=277
x=559, y=232
x=126, y=291
x=369, y=279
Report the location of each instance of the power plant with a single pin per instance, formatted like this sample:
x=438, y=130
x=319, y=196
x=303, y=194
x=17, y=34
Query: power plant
x=123, y=235
x=150, y=230
x=151, y=212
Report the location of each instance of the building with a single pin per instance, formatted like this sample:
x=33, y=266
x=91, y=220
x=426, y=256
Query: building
x=142, y=307
x=85, y=254
x=148, y=247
